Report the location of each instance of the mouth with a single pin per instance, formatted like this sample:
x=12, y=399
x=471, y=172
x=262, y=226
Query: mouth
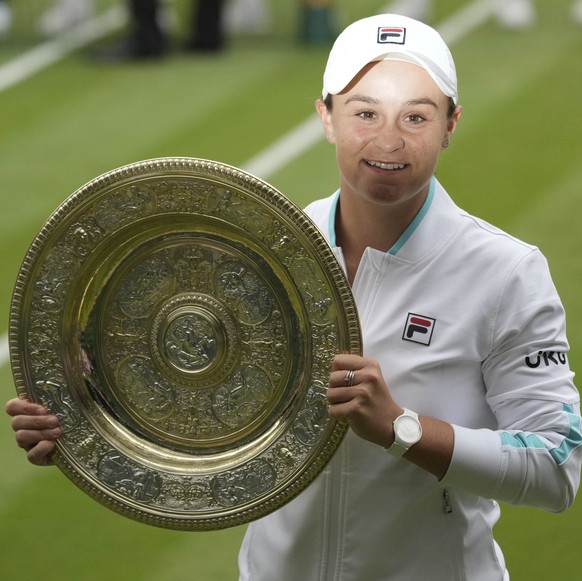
x=385, y=166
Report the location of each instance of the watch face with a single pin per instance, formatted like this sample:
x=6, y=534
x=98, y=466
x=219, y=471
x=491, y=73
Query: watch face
x=407, y=430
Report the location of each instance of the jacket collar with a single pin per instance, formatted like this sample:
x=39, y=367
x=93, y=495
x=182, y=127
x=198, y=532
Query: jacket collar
x=433, y=226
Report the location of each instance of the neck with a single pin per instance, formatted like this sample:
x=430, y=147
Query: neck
x=360, y=226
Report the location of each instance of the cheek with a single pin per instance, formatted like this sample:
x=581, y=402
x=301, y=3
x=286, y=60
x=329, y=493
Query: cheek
x=430, y=148
x=351, y=142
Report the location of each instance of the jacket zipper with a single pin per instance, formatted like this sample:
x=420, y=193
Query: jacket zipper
x=335, y=509
x=447, y=506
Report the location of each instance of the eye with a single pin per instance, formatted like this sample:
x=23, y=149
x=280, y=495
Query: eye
x=366, y=115
x=415, y=118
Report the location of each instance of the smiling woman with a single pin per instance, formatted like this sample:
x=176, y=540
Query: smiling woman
x=389, y=126
x=442, y=382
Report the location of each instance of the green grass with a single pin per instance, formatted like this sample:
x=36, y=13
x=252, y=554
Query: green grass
x=515, y=161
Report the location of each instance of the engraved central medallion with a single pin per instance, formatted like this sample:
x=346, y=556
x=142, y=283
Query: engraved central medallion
x=193, y=337
x=192, y=341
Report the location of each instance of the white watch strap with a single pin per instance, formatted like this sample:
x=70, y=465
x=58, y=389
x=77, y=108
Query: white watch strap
x=397, y=449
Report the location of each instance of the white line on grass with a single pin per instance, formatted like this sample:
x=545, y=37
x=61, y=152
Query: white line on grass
x=285, y=149
x=265, y=164
x=50, y=52
x=467, y=19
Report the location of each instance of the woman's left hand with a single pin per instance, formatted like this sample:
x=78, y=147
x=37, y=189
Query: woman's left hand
x=358, y=393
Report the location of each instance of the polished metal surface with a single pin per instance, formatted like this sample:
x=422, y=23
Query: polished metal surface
x=180, y=317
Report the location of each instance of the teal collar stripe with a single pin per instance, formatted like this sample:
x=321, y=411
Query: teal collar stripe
x=405, y=235
x=332, y=214
x=560, y=454
x=417, y=220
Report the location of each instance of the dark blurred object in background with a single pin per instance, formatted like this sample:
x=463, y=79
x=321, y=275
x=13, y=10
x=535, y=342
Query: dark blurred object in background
x=148, y=37
x=5, y=17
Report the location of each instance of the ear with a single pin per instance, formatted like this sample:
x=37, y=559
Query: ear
x=326, y=120
x=452, y=126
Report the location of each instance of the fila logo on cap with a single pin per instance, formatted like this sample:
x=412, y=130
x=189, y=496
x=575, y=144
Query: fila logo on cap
x=418, y=329
x=391, y=35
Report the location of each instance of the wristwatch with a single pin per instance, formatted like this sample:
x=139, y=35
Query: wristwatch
x=407, y=431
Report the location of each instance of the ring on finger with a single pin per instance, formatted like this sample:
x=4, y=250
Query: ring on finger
x=349, y=378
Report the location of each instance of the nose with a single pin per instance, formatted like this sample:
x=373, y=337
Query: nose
x=389, y=138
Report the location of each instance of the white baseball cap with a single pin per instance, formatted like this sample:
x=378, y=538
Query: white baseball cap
x=389, y=37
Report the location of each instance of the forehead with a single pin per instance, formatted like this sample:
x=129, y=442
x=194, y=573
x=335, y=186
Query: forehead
x=395, y=78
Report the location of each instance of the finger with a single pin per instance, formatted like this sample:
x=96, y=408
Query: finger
x=343, y=387
x=22, y=407
x=343, y=378
x=40, y=455
x=347, y=361
x=28, y=438
x=46, y=422
x=339, y=411
x=339, y=395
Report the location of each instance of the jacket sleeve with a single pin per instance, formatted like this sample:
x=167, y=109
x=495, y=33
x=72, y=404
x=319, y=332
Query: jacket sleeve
x=534, y=456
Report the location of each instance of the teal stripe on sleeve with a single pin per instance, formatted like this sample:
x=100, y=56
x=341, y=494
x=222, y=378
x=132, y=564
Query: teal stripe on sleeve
x=561, y=453
x=521, y=440
x=572, y=441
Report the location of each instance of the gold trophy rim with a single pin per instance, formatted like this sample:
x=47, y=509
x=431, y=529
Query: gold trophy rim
x=168, y=464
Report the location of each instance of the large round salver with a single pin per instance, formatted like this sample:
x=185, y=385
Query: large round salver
x=180, y=317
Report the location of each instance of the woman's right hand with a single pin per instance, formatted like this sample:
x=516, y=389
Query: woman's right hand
x=36, y=430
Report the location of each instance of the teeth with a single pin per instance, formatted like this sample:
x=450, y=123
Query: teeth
x=386, y=165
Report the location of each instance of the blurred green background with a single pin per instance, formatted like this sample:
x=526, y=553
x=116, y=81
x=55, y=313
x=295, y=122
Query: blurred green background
x=516, y=161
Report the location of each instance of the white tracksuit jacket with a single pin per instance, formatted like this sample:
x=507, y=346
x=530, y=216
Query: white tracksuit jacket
x=468, y=328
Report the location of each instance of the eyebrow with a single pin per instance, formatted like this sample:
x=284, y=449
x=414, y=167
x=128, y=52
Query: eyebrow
x=374, y=101
x=423, y=101
x=363, y=99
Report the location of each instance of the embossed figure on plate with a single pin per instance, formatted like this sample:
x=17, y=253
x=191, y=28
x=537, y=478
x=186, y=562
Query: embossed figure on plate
x=125, y=476
x=191, y=342
x=149, y=396
x=243, y=289
x=143, y=288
